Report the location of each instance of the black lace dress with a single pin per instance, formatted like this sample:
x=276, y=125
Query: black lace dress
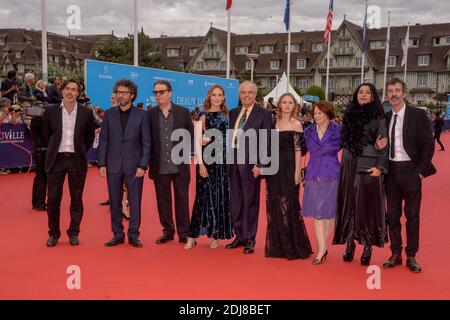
x=211, y=213
x=286, y=233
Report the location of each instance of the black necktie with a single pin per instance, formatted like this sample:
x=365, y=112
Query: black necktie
x=393, y=138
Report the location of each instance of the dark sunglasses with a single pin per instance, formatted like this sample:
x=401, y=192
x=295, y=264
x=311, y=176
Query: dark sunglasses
x=156, y=92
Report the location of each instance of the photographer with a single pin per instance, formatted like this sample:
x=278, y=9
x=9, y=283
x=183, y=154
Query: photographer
x=9, y=87
x=9, y=114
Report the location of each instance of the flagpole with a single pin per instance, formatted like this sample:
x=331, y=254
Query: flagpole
x=406, y=54
x=135, y=26
x=44, y=40
x=276, y=91
x=364, y=45
x=289, y=49
x=228, y=43
x=386, y=57
x=328, y=67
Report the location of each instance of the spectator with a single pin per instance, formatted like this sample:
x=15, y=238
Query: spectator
x=5, y=115
x=54, y=92
x=40, y=93
x=9, y=87
x=26, y=93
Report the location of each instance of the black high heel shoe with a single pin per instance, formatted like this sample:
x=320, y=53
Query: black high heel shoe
x=321, y=260
x=367, y=254
x=349, y=252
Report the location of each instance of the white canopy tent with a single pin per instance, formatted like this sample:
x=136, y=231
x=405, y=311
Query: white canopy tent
x=280, y=88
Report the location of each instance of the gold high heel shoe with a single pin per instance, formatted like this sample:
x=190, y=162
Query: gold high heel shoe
x=214, y=244
x=190, y=244
x=321, y=260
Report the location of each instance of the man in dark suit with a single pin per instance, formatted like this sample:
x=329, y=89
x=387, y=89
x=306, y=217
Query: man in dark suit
x=68, y=130
x=411, y=151
x=124, y=151
x=165, y=118
x=244, y=177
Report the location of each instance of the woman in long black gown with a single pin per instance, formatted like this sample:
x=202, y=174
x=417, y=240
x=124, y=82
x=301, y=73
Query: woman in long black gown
x=286, y=233
x=361, y=199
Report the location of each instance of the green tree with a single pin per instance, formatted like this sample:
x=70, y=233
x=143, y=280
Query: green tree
x=246, y=77
x=121, y=51
x=297, y=89
x=316, y=91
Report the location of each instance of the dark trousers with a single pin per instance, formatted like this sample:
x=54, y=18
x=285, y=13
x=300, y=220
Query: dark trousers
x=65, y=165
x=403, y=184
x=437, y=137
x=40, y=181
x=163, y=187
x=245, y=194
x=115, y=191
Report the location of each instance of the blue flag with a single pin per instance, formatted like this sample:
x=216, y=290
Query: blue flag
x=286, y=14
x=364, y=39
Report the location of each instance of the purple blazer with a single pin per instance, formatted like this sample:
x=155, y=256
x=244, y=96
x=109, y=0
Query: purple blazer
x=323, y=163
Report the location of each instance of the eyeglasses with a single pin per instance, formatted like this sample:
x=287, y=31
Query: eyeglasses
x=156, y=92
x=122, y=92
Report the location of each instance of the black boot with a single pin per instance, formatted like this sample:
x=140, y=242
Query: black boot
x=367, y=254
x=349, y=251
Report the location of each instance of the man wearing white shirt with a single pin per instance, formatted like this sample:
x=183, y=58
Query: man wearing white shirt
x=410, y=152
x=68, y=130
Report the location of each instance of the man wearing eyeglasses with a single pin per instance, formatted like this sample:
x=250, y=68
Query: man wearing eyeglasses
x=124, y=150
x=165, y=118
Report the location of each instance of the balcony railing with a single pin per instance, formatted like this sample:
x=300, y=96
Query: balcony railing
x=211, y=55
x=345, y=51
x=343, y=90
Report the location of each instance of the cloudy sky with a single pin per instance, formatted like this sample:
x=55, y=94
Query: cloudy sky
x=193, y=17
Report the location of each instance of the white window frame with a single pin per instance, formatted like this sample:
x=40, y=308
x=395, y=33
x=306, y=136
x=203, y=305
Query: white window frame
x=2, y=41
x=18, y=54
x=67, y=60
x=223, y=65
x=420, y=79
x=318, y=47
x=358, y=65
x=301, y=63
x=378, y=44
x=421, y=59
x=272, y=66
x=56, y=59
x=241, y=50
x=266, y=49
x=295, y=48
x=331, y=62
x=21, y=68
x=389, y=60
x=192, y=51
x=302, y=83
x=173, y=52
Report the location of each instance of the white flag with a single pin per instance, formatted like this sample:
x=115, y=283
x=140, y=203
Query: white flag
x=405, y=47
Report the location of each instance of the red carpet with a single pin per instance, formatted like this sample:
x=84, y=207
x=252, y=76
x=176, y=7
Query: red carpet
x=30, y=270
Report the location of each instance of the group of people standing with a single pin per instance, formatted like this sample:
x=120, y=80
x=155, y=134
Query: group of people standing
x=347, y=196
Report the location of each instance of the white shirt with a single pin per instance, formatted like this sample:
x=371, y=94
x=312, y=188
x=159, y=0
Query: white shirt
x=400, y=152
x=68, y=129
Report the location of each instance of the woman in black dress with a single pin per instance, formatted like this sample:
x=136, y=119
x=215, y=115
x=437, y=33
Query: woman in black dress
x=361, y=200
x=286, y=233
x=211, y=213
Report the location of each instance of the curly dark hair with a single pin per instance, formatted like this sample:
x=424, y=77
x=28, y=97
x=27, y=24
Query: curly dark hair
x=129, y=84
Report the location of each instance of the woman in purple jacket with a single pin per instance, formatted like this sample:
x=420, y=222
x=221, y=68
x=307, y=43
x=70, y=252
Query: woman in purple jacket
x=322, y=177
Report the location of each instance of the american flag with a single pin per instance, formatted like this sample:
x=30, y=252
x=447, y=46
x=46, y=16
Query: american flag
x=327, y=34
